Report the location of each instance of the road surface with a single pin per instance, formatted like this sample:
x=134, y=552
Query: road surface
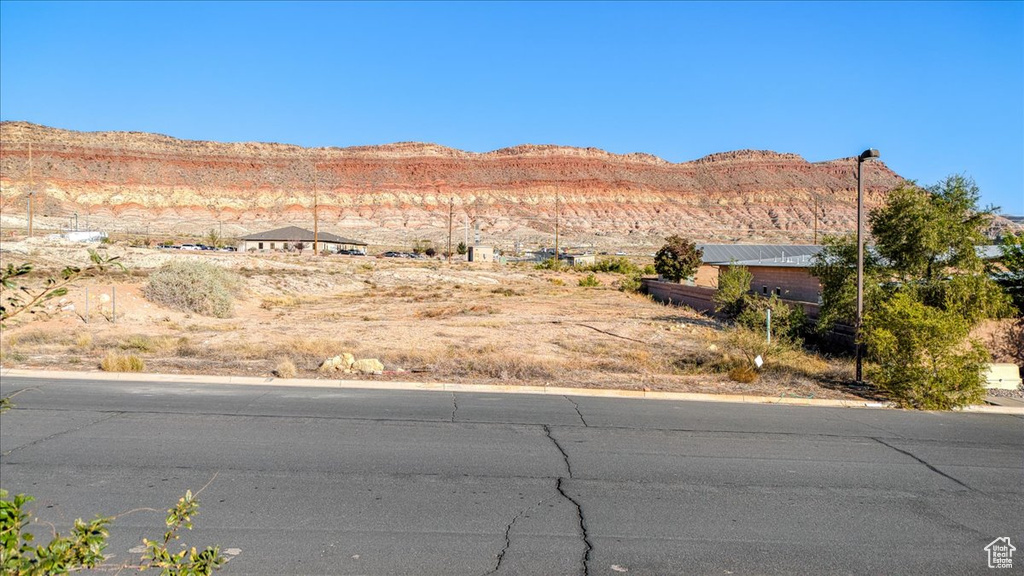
x=353, y=481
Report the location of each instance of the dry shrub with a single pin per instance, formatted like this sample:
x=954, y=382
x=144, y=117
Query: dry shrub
x=743, y=374
x=285, y=369
x=287, y=301
x=40, y=337
x=144, y=343
x=449, y=311
x=441, y=312
x=116, y=362
x=185, y=349
x=83, y=340
x=198, y=287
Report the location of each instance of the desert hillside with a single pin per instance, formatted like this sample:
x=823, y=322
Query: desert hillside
x=396, y=193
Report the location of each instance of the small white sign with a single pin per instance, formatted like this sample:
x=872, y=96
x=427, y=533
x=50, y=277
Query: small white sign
x=1000, y=553
x=758, y=361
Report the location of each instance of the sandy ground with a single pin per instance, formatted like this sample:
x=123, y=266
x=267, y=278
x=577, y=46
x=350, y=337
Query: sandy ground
x=425, y=320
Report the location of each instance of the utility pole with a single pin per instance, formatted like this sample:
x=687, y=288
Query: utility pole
x=316, y=220
x=815, y=219
x=451, y=214
x=557, y=261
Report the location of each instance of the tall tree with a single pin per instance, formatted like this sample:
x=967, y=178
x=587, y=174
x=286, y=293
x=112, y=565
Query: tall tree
x=679, y=258
x=925, y=287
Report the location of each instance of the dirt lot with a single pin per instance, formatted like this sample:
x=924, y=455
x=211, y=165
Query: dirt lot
x=425, y=320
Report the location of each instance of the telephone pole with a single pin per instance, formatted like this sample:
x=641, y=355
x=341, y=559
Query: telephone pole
x=815, y=220
x=451, y=214
x=557, y=261
x=316, y=220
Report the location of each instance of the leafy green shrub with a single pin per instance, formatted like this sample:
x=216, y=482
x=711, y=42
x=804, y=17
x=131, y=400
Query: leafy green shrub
x=629, y=284
x=679, y=258
x=614, y=266
x=198, y=287
x=788, y=322
x=114, y=362
x=589, y=281
x=549, y=264
x=733, y=289
x=917, y=357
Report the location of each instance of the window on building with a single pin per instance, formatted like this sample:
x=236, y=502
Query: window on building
x=764, y=290
x=778, y=291
x=261, y=245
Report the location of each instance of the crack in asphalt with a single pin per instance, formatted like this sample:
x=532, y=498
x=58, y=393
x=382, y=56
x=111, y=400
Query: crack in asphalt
x=455, y=407
x=929, y=466
x=58, y=434
x=588, y=546
x=508, y=540
x=578, y=413
x=565, y=456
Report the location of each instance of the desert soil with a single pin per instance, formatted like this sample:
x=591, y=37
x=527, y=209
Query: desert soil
x=425, y=320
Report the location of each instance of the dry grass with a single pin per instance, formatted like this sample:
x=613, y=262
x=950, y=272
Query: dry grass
x=455, y=323
x=286, y=301
x=285, y=369
x=117, y=362
x=83, y=340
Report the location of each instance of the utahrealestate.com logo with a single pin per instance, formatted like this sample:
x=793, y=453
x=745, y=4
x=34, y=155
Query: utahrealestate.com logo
x=1000, y=553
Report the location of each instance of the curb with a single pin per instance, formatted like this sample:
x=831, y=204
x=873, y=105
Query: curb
x=483, y=388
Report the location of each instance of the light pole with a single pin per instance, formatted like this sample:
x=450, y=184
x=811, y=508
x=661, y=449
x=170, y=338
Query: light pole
x=869, y=153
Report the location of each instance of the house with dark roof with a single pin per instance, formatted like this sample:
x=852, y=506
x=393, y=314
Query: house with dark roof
x=293, y=238
x=780, y=269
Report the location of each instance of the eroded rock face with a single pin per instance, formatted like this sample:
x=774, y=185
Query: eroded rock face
x=399, y=192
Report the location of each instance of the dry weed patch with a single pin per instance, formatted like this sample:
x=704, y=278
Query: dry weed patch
x=285, y=369
x=116, y=362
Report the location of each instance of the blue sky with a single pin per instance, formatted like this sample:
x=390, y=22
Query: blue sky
x=937, y=87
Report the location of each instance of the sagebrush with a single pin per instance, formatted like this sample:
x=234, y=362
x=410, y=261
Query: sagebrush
x=198, y=287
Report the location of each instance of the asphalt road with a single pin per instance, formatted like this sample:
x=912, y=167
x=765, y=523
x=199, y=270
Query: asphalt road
x=340, y=481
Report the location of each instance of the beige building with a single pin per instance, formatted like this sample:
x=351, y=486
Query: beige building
x=293, y=238
x=783, y=270
x=480, y=253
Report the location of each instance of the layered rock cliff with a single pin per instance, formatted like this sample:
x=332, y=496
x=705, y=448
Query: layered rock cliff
x=399, y=192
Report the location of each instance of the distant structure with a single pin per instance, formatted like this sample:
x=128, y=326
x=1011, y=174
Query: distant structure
x=293, y=238
x=481, y=253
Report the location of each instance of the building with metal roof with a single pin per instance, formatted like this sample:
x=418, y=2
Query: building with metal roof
x=292, y=237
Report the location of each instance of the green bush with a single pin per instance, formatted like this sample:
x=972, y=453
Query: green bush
x=733, y=290
x=629, y=284
x=679, y=258
x=614, y=266
x=589, y=281
x=197, y=287
x=917, y=357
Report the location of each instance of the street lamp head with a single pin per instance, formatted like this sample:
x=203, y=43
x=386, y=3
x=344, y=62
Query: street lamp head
x=869, y=153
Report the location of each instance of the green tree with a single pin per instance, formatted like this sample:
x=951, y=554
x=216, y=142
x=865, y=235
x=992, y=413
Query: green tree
x=733, y=289
x=462, y=249
x=918, y=356
x=925, y=287
x=1012, y=281
x=679, y=258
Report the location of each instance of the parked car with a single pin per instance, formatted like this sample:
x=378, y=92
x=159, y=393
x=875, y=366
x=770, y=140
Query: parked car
x=190, y=247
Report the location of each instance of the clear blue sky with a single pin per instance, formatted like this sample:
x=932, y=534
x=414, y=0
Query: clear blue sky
x=937, y=87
